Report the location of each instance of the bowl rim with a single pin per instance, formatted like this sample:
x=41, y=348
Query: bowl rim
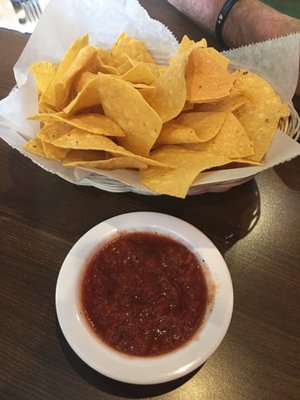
x=143, y=370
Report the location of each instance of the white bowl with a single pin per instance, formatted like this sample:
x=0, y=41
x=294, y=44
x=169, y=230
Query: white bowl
x=143, y=370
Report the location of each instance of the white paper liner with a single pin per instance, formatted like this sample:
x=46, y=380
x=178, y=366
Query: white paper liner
x=276, y=60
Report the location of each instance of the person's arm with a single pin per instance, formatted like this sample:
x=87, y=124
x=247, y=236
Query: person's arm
x=249, y=21
x=252, y=21
x=203, y=12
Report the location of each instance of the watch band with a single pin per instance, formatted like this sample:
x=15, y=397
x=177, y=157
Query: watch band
x=222, y=18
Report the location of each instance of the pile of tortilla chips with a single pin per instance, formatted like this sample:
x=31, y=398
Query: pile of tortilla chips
x=119, y=109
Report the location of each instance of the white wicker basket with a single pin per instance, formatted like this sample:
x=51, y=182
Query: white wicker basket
x=290, y=126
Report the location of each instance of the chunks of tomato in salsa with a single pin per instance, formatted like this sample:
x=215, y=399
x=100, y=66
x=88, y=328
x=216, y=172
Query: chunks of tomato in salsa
x=144, y=293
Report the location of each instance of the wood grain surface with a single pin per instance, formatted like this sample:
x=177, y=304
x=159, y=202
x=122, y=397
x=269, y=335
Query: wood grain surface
x=256, y=227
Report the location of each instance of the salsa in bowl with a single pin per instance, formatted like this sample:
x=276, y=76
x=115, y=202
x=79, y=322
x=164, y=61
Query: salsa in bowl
x=144, y=298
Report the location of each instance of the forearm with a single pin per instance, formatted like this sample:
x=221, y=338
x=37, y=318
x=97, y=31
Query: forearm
x=203, y=12
x=248, y=21
x=252, y=21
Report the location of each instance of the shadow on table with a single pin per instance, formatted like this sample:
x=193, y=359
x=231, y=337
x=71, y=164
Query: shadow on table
x=224, y=217
x=292, y=181
x=112, y=386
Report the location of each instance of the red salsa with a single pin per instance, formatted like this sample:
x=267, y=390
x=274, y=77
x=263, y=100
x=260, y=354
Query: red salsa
x=144, y=294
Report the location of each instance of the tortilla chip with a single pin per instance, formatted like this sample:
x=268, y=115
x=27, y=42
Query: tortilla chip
x=206, y=125
x=35, y=146
x=84, y=155
x=228, y=104
x=285, y=111
x=170, y=91
x=172, y=133
x=49, y=96
x=52, y=131
x=176, y=182
x=111, y=163
x=88, y=96
x=104, y=63
x=63, y=88
x=256, y=89
x=128, y=46
x=43, y=72
x=140, y=73
x=231, y=141
x=206, y=79
x=127, y=107
x=148, y=92
x=94, y=123
x=245, y=161
x=82, y=80
x=185, y=45
x=259, y=116
x=260, y=123
x=104, y=55
x=81, y=140
x=218, y=57
x=189, y=106
x=53, y=152
x=123, y=68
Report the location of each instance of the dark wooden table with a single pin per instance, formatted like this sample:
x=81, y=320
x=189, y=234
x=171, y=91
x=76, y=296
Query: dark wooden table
x=256, y=226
